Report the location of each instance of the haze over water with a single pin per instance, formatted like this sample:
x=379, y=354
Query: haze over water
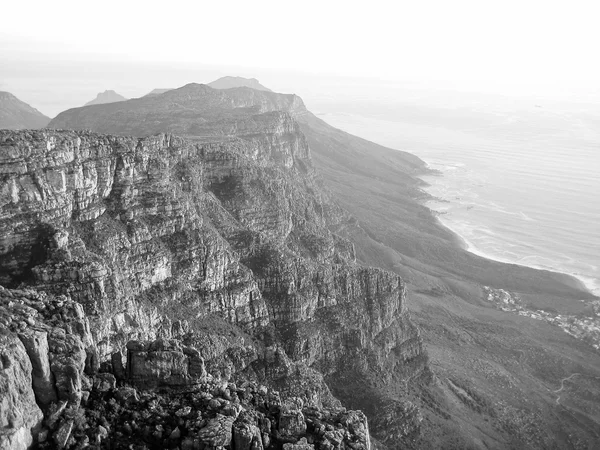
x=519, y=180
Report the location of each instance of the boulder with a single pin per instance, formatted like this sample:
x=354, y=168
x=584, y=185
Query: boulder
x=36, y=344
x=163, y=363
x=218, y=431
x=20, y=416
x=246, y=437
x=291, y=419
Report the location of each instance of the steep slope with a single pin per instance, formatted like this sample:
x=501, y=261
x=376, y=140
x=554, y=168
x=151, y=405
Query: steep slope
x=108, y=96
x=16, y=115
x=235, y=82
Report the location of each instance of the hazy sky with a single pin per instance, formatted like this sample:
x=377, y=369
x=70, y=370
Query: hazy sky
x=465, y=39
x=525, y=44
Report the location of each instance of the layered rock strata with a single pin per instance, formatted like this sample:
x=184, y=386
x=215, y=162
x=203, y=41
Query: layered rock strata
x=129, y=227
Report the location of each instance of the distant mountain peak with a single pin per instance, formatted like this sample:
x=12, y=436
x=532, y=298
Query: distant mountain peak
x=234, y=82
x=185, y=111
x=16, y=114
x=108, y=96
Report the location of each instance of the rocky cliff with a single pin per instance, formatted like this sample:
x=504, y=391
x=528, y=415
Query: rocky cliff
x=226, y=245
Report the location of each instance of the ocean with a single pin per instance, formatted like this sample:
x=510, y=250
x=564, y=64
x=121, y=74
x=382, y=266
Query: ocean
x=518, y=181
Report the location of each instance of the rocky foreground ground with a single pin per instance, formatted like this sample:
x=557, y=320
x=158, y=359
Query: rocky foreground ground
x=54, y=393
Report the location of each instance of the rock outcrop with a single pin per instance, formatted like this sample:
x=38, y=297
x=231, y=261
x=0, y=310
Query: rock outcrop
x=129, y=227
x=164, y=363
x=20, y=416
x=47, y=349
x=217, y=414
x=53, y=396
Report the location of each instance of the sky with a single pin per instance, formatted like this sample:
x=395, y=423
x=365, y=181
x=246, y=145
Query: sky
x=519, y=46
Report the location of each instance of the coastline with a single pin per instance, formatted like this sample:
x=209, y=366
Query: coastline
x=590, y=286
x=510, y=330
x=509, y=241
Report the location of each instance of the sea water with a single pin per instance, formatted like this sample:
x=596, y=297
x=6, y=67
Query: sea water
x=519, y=182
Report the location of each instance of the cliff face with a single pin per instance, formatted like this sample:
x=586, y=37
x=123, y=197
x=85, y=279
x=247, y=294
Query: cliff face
x=229, y=246
x=46, y=346
x=217, y=256
x=129, y=227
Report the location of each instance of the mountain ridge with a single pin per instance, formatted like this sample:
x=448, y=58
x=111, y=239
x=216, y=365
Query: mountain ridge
x=108, y=96
x=16, y=114
x=229, y=82
x=186, y=108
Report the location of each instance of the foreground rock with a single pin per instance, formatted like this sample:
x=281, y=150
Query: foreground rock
x=46, y=350
x=20, y=416
x=218, y=414
x=53, y=395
